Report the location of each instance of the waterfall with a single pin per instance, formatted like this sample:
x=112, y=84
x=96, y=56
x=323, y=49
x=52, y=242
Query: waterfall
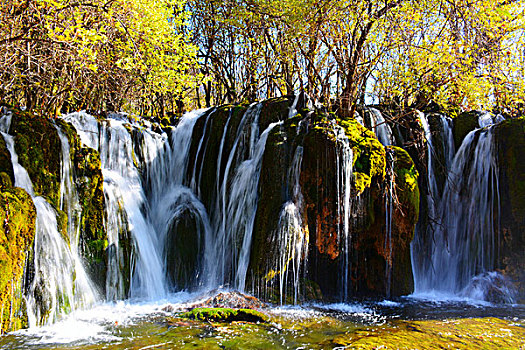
x=227, y=253
x=464, y=219
x=421, y=246
x=125, y=204
x=465, y=245
x=59, y=282
x=291, y=235
x=344, y=171
x=380, y=126
x=434, y=196
x=150, y=192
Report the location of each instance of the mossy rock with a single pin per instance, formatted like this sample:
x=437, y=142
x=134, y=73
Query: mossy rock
x=274, y=191
x=404, y=219
x=225, y=315
x=406, y=178
x=39, y=152
x=273, y=110
x=463, y=124
x=369, y=154
x=6, y=166
x=18, y=215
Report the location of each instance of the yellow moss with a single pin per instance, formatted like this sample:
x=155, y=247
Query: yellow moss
x=369, y=154
x=362, y=181
x=17, y=215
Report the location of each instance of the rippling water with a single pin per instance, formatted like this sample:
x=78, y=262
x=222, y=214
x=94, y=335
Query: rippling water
x=154, y=325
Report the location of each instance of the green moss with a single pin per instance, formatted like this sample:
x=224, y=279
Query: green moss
x=17, y=215
x=39, y=152
x=5, y=180
x=273, y=110
x=89, y=185
x=225, y=315
x=369, y=154
x=272, y=185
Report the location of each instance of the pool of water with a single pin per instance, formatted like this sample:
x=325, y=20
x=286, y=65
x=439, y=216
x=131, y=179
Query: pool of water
x=405, y=322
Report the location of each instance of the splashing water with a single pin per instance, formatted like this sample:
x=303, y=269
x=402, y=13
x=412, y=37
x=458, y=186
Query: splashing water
x=465, y=240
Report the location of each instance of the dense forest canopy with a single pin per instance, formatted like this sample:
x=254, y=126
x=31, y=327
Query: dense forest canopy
x=159, y=57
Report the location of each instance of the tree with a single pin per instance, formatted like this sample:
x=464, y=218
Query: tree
x=131, y=55
x=401, y=52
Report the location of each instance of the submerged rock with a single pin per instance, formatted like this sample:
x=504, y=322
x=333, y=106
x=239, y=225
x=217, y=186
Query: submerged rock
x=468, y=333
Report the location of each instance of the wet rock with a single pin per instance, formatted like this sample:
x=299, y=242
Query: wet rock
x=39, y=152
x=468, y=333
x=89, y=181
x=492, y=287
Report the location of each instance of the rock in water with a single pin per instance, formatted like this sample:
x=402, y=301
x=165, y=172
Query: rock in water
x=233, y=299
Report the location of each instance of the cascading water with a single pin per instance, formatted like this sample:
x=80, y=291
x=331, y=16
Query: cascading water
x=465, y=225
x=152, y=206
x=291, y=234
x=344, y=169
x=434, y=196
x=421, y=249
x=466, y=246
x=59, y=282
x=380, y=126
x=227, y=253
x=125, y=199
